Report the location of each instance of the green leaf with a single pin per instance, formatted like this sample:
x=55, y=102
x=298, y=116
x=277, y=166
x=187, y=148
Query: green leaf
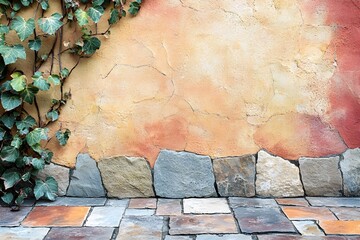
x=95, y=13
x=9, y=118
x=55, y=79
x=114, y=16
x=12, y=53
x=91, y=45
x=22, y=162
x=97, y=2
x=28, y=94
x=40, y=82
x=47, y=189
x=36, y=135
x=16, y=7
x=7, y=198
x=26, y=177
x=44, y=4
x=16, y=142
x=4, y=29
x=22, y=27
x=4, y=2
x=63, y=137
x=10, y=179
x=2, y=134
x=18, y=82
x=81, y=16
x=9, y=154
x=35, y=44
x=47, y=155
x=134, y=7
x=51, y=24
x=26, y=3
x=10, y=101
x=38, y=163
x=24, y=125
x=64, y=73
x=52, y=115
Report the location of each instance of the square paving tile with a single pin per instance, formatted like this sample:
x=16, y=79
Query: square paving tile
x=224, y=237
x=199, y=224
x=292, y=202
x=85, y=233
x=341, y=227
x=334, y=202
x=167, y=207
x=139, y=212
x=73, y=201
x=117, y=202
x=11, y=219
x=20, y=233
x=347, y=213
x=252, y=202
x=105, y=217
x=143, y=203
x=56, y=216
x=262, y=220
x=308, y=213
x=141, y=228
x=206, y=205
x=308, y=228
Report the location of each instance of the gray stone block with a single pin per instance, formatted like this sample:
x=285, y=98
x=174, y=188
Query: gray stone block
x=183, y=174
x=126, y=177
x=321, y=176
x=235, y=176
x=85, y=180
x=350, y=167
x=61, y=175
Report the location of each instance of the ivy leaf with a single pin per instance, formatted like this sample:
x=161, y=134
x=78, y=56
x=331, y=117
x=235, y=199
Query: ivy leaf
x=2, y=134
x=10, y=101
x=63, y=137
x=16, y=142
x=24, y=125
x=26, y=177
x=47, y=155
x=51, y=24
x=22, y=27
x=64, y=73
x=91, y=45
x=12, y=53
x=44, y=4
x=38, y=163
x=40, y=82
x=95, y=13
x=35, y=44
x=8, y=119
x=4, y=2
x=47, y=189
x=4, y=29
x=81, y=16
x=7, y=198
x=36, y=135
x=114, y=16
x=134, y=7
x=28, y=94
x=9, y=154
x=97, y=2
x=55, y=79
x=26, y=3
x=10, y=179
x=18, y=82
x=52, y=115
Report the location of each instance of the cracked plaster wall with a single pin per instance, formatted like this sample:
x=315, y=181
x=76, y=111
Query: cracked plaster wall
x=220, y=78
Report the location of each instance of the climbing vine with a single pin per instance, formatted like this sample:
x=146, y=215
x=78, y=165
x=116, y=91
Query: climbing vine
x=32, y=33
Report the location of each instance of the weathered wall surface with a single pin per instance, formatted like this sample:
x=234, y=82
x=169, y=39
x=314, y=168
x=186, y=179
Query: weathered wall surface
x=221, y=78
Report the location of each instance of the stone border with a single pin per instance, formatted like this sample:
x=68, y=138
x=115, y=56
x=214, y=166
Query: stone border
x=184, y=174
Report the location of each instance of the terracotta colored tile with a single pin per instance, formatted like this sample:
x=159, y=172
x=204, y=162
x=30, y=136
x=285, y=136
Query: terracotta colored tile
x=341, y=227
x=142, y=203
x=168, y=207
x=308, y=213
x=58, y=216
x=347, y=213
x=301, y=202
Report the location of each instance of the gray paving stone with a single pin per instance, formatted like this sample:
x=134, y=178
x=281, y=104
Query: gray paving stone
x=321, y=176
x=84, y=233
x=20, y=233
x=139, y=212
x=262, y=220
x=199, y=224
x=334, y=202
x=224, y=237
x=143, y=203
x=61, y=175
x=141, y=228
x=297, y=237
x=206, y=205
x=168, y=237
x=277, y=177
x=350, y=167
x=13, y=219
x=73, y=201
x=126, y=177
x=183, y=175
x=85, y=179
x=235, y=176
x=346, y=213
x=117, y=202
x=252, y=202
x=105, y=217
x=167, y=207
x=308, y=228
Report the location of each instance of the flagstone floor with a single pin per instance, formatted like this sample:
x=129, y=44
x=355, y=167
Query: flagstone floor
x=184, y=219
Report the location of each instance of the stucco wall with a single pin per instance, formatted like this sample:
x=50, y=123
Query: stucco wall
x=220, y=78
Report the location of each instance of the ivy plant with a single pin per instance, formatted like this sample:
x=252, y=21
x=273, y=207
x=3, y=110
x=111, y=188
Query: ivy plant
x=39, y=40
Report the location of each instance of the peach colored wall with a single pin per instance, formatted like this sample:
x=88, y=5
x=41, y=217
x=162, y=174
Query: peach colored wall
x=221, y=78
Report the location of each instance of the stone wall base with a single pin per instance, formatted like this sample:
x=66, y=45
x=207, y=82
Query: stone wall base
x=184, y=175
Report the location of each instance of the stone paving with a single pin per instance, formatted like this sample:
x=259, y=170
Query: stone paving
x=232, y=218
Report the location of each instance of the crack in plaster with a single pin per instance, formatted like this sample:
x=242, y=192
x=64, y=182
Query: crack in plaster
x=189, y=7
